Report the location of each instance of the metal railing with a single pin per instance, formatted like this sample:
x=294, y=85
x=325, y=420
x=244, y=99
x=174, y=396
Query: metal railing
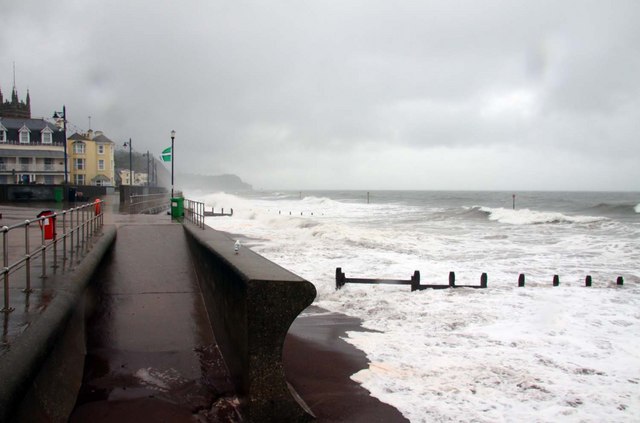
x=78, y=225
x=194, y=212
x=32, y=142
x=148, y=203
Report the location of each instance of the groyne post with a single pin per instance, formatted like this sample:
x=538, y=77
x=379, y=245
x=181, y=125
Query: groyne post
x=415, y=281
x=483, y=280
x=619, y=281
x=339, y=278
x=452, y=279
x=587, y=280
x=556, y=280
x=521, y=280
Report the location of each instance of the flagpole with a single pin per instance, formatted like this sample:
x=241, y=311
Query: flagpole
x=173, y=135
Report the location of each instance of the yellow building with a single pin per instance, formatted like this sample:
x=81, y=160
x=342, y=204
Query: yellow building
x=91, y=159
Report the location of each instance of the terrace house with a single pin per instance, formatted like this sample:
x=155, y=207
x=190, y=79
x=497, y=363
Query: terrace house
x=31, y=150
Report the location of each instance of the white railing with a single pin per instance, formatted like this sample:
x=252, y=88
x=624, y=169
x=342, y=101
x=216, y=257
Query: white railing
x=7, y=167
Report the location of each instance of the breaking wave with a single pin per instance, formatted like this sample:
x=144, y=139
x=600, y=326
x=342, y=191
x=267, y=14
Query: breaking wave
x=616, y=209
x=533, y=217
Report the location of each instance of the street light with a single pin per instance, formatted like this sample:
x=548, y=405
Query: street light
x=61, y=122
x=130, y=162
x=173, y=159
x=148, y=156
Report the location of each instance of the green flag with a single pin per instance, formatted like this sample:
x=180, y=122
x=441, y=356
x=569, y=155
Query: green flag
x=166, y=155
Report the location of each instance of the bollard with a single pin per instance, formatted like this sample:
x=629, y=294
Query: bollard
x=619, y=281
x=587, y=280
x=483, y=280
x=556, y=280
x=521, y=280
x=415, y=281
x=452, y=279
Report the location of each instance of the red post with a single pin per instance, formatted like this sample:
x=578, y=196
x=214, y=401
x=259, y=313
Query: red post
x=48, y=224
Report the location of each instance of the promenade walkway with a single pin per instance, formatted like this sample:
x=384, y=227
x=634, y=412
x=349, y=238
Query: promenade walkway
x=151, y=354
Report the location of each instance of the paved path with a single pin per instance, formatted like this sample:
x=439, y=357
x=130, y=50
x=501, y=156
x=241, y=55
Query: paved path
x=151, y=354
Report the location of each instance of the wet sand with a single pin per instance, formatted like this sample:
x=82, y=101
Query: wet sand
x=318, y=364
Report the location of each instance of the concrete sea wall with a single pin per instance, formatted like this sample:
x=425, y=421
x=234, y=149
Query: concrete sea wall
x=251, y=303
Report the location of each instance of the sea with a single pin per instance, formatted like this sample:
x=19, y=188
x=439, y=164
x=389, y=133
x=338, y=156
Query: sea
x=501, y=354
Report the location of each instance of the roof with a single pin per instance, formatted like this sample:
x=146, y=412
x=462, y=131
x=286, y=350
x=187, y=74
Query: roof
x=32, y=124
x=77, y=136
x=97, y=138
x=102, y=138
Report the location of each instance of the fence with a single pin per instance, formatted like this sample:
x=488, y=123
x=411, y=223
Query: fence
x=148, y=203
x=194, y=212
x=79, y=224
x=414, y=281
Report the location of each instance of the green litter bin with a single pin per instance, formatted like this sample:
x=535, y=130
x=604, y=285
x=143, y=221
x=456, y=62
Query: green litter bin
x=177, y=207
x=58, y=194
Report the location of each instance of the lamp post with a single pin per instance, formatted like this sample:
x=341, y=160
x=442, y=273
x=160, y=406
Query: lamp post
x=61, y=122
x=173, y=159
x=130, y=162
x=148, y=169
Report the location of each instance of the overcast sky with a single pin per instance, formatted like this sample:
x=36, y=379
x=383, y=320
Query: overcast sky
x=370, y=94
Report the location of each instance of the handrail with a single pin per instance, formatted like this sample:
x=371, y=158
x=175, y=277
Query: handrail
x=194, y=212
x=148, y=203
x=84, y=222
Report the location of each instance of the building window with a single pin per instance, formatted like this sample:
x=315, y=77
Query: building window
x=25, y=163
x=47, y=136
x=100, y=149
x=100, y=164
x=48, y=163
x=79, y=180
x=25, y=136
x=78, y=164
x=78, y=147
x=49, y=179
x=3, y=133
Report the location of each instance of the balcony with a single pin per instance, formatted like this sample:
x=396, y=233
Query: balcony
x=35, y=143
x=31, y=168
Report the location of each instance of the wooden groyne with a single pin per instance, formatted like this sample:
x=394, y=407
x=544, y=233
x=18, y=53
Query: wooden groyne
x=414, y=281
x=222, y=213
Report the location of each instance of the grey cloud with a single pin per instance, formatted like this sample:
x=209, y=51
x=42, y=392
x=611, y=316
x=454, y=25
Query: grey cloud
x=263, y=88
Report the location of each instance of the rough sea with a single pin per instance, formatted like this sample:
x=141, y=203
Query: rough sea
x=538, y=353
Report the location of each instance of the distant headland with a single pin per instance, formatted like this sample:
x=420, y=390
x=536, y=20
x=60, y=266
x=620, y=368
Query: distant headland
x=226, y=182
